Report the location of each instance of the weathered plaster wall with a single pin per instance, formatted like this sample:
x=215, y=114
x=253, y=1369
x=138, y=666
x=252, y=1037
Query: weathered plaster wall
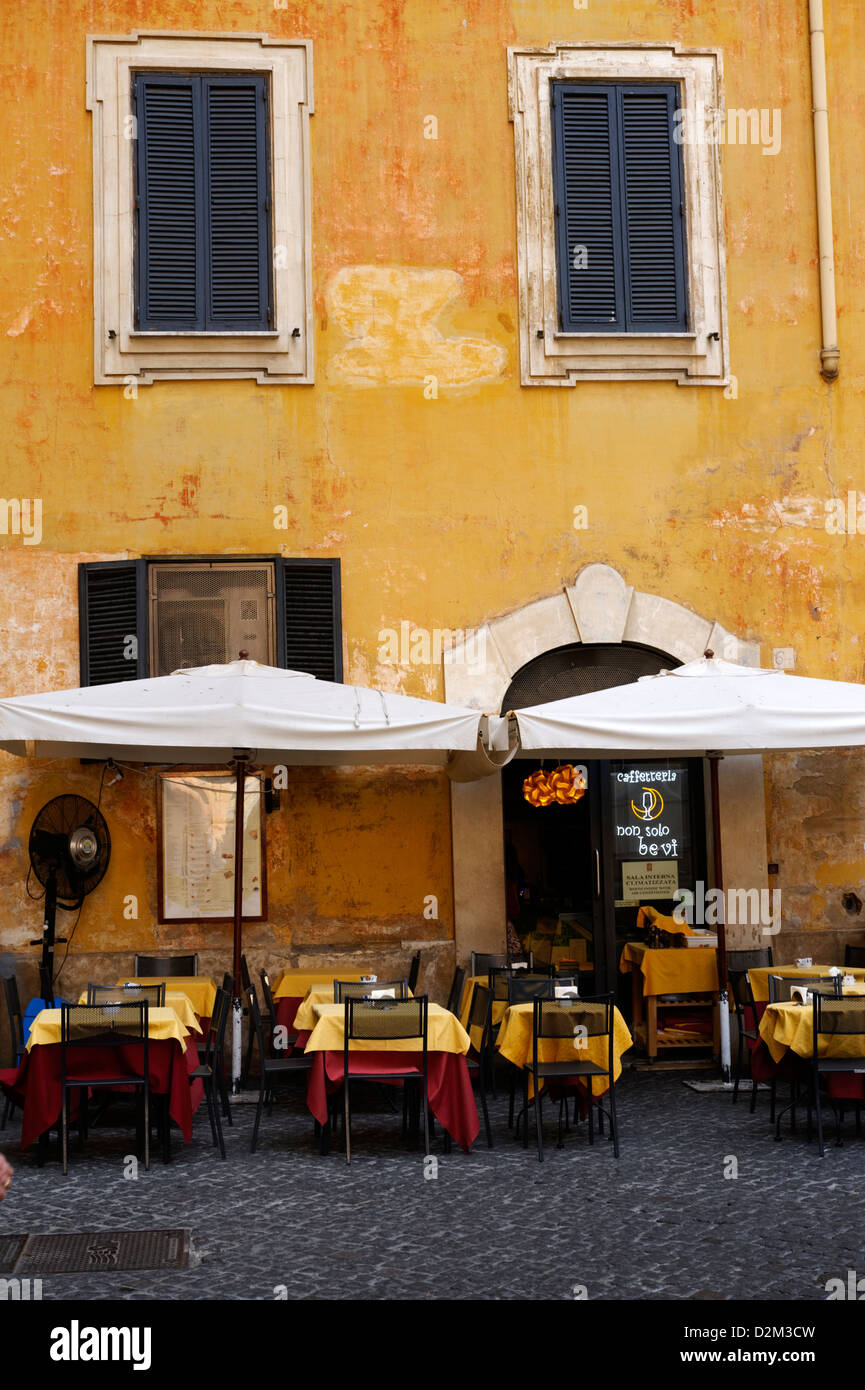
x=446, y=510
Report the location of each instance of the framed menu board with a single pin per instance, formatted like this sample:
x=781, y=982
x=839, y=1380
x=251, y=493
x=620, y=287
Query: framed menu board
x=195, y=847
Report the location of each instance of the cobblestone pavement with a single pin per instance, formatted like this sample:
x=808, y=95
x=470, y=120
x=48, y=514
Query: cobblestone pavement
x=662, y=1223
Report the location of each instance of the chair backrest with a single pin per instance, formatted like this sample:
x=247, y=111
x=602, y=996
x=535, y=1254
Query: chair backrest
x=126, y=994
x=362, y=989
x=523, y=987
x=245, y=977
x=561, y=1018
x=480, y=1024
x=166, y=965
x=456, y=990
x=836, y=1017
x=267, y=994
x=414, y=972
x=854, y=955
x=749, y=960
x=228, y=984
x=255, y=1018
x=483, y=962
x=13, y=1008
x=218, y=1020
x=104, y=1025
x=384, y=1019
x=781, y=986
x=740, y=986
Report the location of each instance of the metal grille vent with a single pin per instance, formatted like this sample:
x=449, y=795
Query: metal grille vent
x=210, y=613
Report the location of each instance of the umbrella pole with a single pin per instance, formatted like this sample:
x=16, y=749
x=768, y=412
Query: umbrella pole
x=237, y=1011
x=723, y=1001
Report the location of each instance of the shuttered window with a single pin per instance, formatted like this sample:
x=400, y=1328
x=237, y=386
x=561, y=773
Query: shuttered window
x=208, y=610
x=202, y=204
x=620, y=217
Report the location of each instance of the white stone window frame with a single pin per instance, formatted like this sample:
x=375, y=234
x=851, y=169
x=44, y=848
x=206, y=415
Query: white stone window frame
x=550, y=357
x=123, y=354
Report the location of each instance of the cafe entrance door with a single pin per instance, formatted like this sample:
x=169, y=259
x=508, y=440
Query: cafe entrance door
x=578, y=871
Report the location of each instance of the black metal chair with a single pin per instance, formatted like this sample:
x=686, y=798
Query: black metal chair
x=835, y=1018
x=126, y=994
x=483, y=962
x=574, y=1021
x=362, y=989
x=273, y=1069
x=854, y=956
x=414, y=972
x=781, y=986
x=16, y=1032
x=165, y=965
x=221, y=1081
x=479, y=1029
x=85, y=1026
x=268, y=1021
x=738, y=965
x=455, y=997
x=384, y=1020
x=207, y=1070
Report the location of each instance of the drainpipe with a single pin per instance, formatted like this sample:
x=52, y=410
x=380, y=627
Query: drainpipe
x=829, y=353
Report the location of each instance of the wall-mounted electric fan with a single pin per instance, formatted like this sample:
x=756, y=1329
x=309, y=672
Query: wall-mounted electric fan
x=69, y=851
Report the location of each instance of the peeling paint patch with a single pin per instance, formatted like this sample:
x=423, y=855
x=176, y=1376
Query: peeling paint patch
x=390, y=314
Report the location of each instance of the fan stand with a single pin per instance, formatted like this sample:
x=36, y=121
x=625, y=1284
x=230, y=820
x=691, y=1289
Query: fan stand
x=49, y=940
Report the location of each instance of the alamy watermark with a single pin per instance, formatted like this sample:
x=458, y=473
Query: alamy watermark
x=21, y=516
x=420, y=646
x=744, y=907
x=702, y=125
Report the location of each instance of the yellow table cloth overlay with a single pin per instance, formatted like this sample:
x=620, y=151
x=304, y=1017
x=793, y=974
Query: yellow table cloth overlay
x=293, y=984
x=199, y=989
x=180, y=1003
x=445, y=1033
x=515, y=1043
x=760, y=977
x=163, y=1026
x=786, y=1026
x=304, y=1019
x=678, y=970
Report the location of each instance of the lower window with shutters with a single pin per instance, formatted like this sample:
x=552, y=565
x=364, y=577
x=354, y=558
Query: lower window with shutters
x=620, y=225
x=202, y=257
x=151, y=617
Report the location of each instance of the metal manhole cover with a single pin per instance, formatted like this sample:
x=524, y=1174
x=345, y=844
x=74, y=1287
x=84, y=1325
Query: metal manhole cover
x=104, y=1250
x=10, y=1249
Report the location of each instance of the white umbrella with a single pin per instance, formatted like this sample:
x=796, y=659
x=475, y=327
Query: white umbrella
x=704, y=708
x=238, y=713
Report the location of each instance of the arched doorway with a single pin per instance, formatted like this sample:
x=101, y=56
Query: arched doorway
x=577, y=874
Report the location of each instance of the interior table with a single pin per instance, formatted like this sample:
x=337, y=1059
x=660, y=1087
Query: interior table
x=690, y=972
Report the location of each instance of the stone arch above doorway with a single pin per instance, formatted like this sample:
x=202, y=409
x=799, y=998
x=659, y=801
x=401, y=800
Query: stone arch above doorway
x=599, y=607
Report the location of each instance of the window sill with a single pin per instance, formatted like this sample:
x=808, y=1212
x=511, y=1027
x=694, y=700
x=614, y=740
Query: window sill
x=149, y=335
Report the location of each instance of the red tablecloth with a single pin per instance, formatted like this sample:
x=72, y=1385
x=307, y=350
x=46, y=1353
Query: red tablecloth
x=451, y=1098
x=37, y=1086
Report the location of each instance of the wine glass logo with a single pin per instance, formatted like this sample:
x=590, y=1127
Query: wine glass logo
x=651, y=804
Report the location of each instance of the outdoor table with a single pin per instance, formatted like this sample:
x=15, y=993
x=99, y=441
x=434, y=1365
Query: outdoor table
x=37, y=1087
x=760, y=977
x=686, y=970
x=200, y=990
x=180, y=1003
x=515, y=1044
x=451, y=1098
x=790, y=1027
x=291, y=987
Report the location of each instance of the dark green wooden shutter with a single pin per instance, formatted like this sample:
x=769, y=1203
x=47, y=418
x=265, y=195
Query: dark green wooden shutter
x=309, y=617
x=587, y=209
x=236, y=190
x=202, y=203
x=112, y=621
x=653, y=210
x=619, y=209
x=168, y=204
